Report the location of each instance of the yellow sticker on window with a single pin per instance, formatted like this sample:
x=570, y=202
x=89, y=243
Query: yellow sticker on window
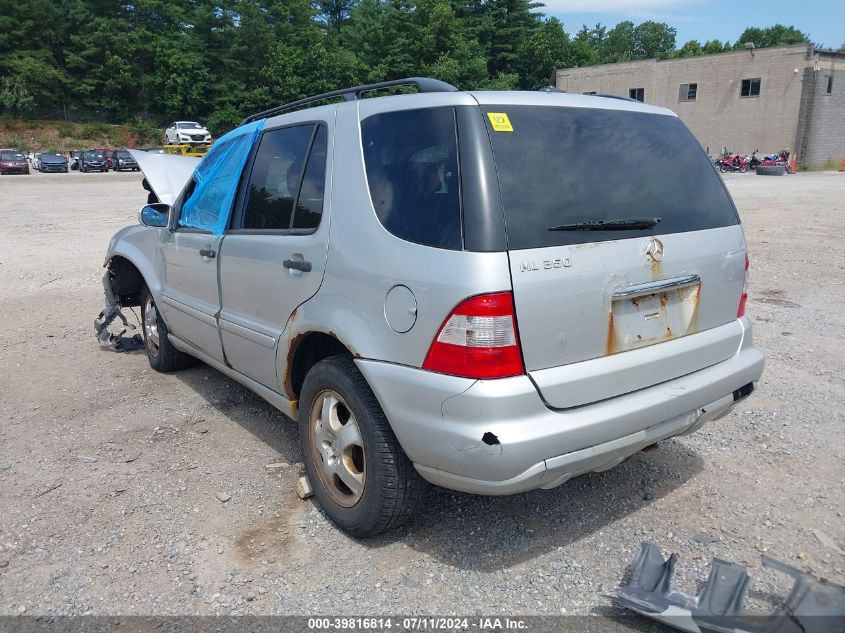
x=500, y=122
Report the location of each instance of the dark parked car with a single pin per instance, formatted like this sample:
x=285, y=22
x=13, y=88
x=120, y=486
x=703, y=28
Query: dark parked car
x=13, y=162
x=93, y=160
x=121, y=160
x=50, y=162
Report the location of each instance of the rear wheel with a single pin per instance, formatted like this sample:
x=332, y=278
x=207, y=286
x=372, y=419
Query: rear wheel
x=160, y=351
x=360, y=475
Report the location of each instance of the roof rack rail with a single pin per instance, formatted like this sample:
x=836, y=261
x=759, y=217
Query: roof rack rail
x=620, y=97
x=425, y=84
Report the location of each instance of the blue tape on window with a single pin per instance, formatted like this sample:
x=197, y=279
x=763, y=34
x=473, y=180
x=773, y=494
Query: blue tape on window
x=217, y=176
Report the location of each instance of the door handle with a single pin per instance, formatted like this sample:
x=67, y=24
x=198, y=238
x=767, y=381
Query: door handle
x=297, y=264
x=207, y=252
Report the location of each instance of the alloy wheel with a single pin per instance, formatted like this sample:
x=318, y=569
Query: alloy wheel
x=337, y=448
x=151, y=335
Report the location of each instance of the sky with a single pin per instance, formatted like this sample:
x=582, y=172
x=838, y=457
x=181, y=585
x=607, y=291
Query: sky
x=822, y=20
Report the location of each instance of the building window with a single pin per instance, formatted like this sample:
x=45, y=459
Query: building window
x=590, y=92
x=688, y=92
x=637, y=93
x=829, y=84
x=750, y=87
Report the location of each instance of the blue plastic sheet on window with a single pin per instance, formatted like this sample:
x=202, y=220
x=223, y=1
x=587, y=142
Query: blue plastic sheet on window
x=217, y=177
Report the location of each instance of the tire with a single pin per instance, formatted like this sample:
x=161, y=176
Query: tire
x=391, y=490
x=160, y=351
x=770, y=170
x=743, y=169
x=723, y=169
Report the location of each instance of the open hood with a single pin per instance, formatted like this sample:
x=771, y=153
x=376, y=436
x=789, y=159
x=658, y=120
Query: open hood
x=167, y=173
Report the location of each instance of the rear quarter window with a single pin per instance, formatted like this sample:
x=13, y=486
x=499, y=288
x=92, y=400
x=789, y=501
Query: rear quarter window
x=569, y=165
x=411, y=157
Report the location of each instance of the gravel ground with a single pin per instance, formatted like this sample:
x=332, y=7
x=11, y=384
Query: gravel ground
x=113, y=477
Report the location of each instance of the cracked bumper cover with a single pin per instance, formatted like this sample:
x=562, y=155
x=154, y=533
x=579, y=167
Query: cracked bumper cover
x=440, y=420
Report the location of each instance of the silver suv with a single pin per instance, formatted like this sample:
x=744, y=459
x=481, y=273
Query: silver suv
x=488, y=291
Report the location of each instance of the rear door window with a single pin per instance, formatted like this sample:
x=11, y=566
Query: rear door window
x=276, y=176
x=571, y=165
x=411, y=158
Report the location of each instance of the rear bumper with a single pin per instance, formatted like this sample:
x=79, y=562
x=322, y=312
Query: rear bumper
x=498, y=436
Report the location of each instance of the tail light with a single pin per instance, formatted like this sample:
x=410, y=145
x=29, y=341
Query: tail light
x=743, y=299
x=478, y=340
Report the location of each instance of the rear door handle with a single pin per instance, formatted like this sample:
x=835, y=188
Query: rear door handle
x=207, y=252
x=297, y=264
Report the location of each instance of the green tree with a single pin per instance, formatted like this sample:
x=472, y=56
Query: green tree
x=512, y=21
x=546, y=49
x=14, y=97
x=715, y=46
x=691, y=48
x=777, y=35
x=653, y=40
x=618, y=45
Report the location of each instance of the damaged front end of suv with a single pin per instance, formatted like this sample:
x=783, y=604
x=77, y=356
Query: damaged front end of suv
x=164, y=178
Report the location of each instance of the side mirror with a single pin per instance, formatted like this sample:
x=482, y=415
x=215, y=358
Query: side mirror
x=155, y=215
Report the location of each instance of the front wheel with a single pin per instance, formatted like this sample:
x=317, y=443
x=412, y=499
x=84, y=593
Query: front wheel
x=743, y=169
x=160, y=351
x=360, y=475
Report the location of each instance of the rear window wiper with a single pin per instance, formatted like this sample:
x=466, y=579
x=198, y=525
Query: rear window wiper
x=620, y=224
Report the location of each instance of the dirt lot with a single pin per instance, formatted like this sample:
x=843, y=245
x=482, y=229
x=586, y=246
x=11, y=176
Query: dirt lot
x=109, y=472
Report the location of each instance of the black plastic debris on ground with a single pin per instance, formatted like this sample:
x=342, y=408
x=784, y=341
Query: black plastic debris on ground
x=127, y=343
x=812, y=606
x=112, y=311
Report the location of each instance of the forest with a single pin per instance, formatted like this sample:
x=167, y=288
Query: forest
x=216, y=60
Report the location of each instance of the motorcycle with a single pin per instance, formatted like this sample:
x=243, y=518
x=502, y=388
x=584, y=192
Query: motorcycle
x=733, y=162
x=753, y=161
x=774, y=160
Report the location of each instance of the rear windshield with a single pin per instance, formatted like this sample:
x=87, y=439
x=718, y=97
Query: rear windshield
x=570, y=165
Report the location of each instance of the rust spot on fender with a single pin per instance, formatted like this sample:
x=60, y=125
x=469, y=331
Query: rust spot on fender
x=287, y=382
x=610, y=345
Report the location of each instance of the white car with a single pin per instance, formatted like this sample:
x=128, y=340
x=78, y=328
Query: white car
x=186, y=132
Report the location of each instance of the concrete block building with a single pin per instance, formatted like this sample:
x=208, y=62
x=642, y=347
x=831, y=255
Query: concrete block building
x=789, y=97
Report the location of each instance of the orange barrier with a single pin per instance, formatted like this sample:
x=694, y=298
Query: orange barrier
x=792, y=162
x=842, y=166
